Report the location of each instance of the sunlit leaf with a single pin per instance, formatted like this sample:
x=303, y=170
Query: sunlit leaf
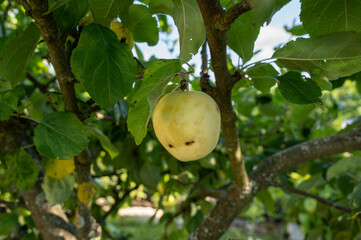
x=139, y=19
x=331, y=56
x=191, y=29
x=155, y=80
x=241, y=37
x=344, y=165
x=105, y=142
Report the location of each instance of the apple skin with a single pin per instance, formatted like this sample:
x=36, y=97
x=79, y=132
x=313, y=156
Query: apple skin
x=187, y=124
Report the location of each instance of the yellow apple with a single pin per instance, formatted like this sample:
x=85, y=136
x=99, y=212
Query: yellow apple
x=124, y=35
x=187, y=124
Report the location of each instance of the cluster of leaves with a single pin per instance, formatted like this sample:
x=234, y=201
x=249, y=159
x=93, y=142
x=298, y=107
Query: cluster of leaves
x=322, y=73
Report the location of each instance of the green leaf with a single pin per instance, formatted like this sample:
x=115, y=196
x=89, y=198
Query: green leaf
x=137, y=120
x=296, y=89
x=150, y=175
x=103, y=65
x=263, y=76
x=323, y=17
x=265, y=9
x=268, y=202
x=241, y=37
x=60, y=134
x=357, y=192
x=323, y=83
x=8, y=104
x=329, y=56
x=55, y=4
x=17, y=52
x=2, y=43
x=68, y=15
x=161, y=6
x=58, y=190
x=195, y=221
x=105, y=142
x=142, y=24
x=344, y=165
x=158, y=74
x=296, y=30
x=191, y=29
x=104, y=11
x=8, y=222
x=22, y=169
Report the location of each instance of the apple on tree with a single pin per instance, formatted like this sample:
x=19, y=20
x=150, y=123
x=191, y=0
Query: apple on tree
x=187, y=124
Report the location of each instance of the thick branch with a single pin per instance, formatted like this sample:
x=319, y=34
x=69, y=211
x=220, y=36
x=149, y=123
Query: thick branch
x=218, y=48
x=51, y=221
x=228, y=207
x=310, y=195
x=224, y=22
x=51, y=35
x=60, y=62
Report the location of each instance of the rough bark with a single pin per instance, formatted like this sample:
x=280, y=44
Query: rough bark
x=60, y=61
x=228, y=207
x=241, y=194
x=218, y=45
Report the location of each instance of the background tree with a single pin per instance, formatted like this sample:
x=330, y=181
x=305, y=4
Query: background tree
x=73, y=97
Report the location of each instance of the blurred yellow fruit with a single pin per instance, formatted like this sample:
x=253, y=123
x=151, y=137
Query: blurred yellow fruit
x=124, y=35
x=57, y=168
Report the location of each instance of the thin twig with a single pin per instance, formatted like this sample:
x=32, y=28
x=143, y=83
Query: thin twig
x=310, y=195
x=205, y=81
x=118, y=201
x=139, y=62
x=42, y=87
x=204, y=58
x=7, y=9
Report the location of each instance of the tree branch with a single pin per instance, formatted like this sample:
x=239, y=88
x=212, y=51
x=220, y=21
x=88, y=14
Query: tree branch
x=310, y=195
x=51, y=35
x=228, y=207
x=118, y=201
x=42, y=87
x=218, y=48
x=60, y=62
x=204, y=81
x=224, y=22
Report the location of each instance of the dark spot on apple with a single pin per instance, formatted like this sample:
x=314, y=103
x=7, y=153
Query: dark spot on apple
x=189, y=143
x=171, y=146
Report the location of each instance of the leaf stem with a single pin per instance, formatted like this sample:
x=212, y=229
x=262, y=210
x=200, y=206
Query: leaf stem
x=25, y=117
